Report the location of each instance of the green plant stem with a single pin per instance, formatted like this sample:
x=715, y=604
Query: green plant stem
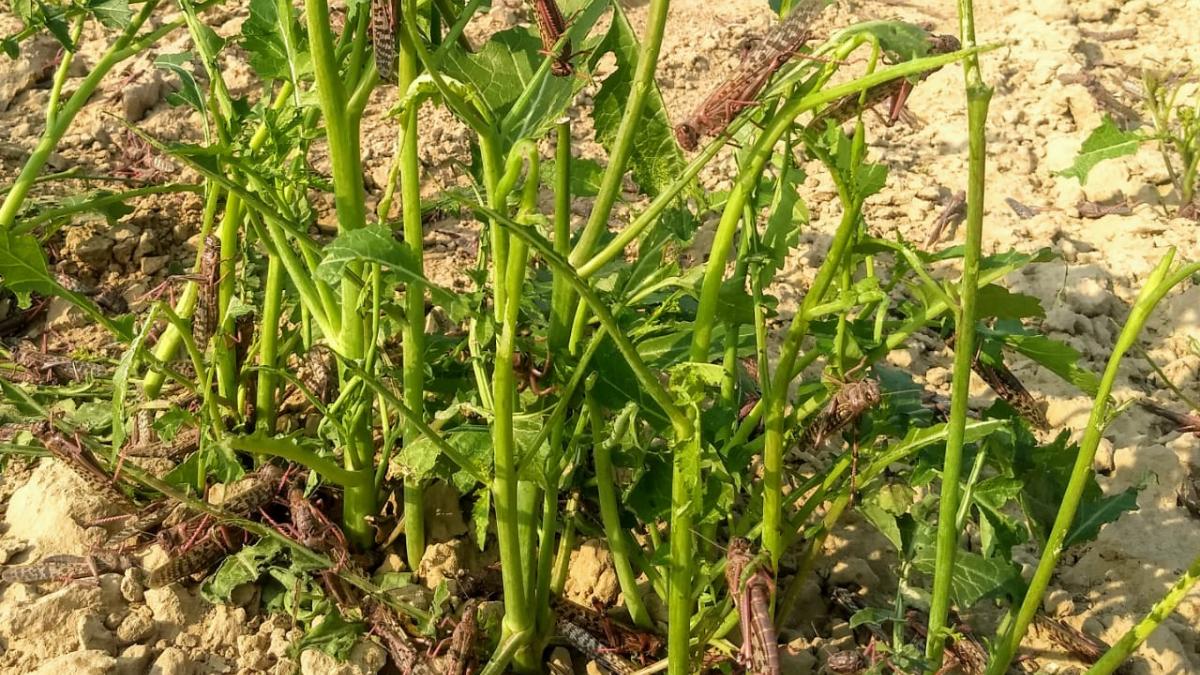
x=775, y=398
x=414, y=302
x=610, y=515
x=518, y=616
x=979, y=96
x=126, y=45
x=1129, y=642
x=1159, y=283
x=622, y=148
x=350, y=202
x=265, y=407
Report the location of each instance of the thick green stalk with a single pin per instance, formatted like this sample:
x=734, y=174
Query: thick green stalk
x=641, y=87
x=1159, y=283
x=268, y=347
x=122, y=48
x=414, y=302
x=169, y=343
x=979, y=95
x=1129, y=642
x=350, y=201
x=610, y=514
x=518, y=615
x=776, y=396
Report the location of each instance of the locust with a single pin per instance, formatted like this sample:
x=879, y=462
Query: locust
x=1081, y=645
x=385, y=27
x=751, y=586
x=896, y=91
x=845, y=406
x=621, y=638
x=204, y=320
x=206, y=544
x=551, y=26
x=1008, y=388
x=67, y=567
x=187, y=440
x=461, y=652
x=83, y=464
x=54, y=369
x=591, y=647
x=740, y=90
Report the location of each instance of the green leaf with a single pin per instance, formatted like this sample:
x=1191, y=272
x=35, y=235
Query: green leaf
x=786, y=215
x=1057, y=357
x=189, y=92
x=480, y=515
x=334, y=636
x=111, y=13
x=54, y=18
x=24, y=270
x=375, y=244
x=1095, y=514
x=998, y=301
x=656, y=160
x=870, y=616
x=1106, y=141
x=243, y=567
x=975, y=577
x=266, y=43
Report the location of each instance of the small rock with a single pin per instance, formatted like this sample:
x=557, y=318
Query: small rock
x=366, y=658
x=133, y=660
x=1058, y=603
x=937, y=376
x=153, y=263
x=1106, y=183
x=853, y=571
x=92, y=634
x=797, y=657
x=171, y=606
x=10, y=546
x=94, y=252
x=1103, y=462
x=392, y=562
x=132, y=587
x=592, y=575
x=172, y=661
x=61, y=315
x=559, y=662
x=86, y=662
x=442, y=561
x=137, y=626
x=1054, y=10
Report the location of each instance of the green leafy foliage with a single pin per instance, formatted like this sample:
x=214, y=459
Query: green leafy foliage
x=111, y=13
x=271, y=43
x=1106, y=141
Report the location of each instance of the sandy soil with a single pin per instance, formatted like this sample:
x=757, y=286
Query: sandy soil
x=1037, y=123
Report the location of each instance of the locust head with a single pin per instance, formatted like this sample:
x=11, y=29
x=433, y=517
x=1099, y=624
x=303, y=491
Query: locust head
x=687, y=136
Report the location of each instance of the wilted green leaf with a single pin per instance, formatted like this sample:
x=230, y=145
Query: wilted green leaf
x=243, y=567
x=480, y=516
x=334, y=636
x=1106, y=141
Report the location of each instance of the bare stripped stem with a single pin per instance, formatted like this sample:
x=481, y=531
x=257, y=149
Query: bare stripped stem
x=979, y=95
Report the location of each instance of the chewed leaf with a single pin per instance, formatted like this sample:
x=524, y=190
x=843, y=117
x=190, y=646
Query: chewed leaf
x=975, y=577
x=1106, y=141
x=243, y=567
x=656, y=160
x=998, y=301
